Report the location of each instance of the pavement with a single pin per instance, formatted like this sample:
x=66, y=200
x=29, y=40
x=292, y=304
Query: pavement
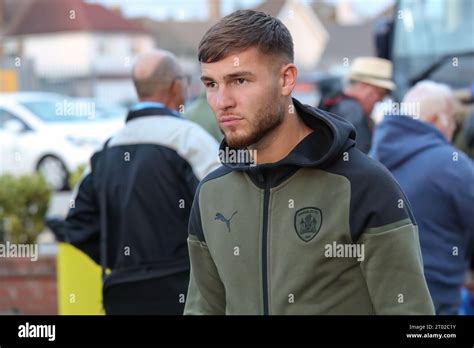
x=58, y=207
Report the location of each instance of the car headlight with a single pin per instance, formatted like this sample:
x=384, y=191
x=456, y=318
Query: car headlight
x=82, y=141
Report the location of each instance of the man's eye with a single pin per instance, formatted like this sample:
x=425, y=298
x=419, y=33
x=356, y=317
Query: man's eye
x=211, y=84
x=240, y=81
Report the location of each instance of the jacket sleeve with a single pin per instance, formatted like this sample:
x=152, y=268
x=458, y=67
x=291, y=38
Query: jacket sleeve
x=206, y=293
x=199, y=152
x=81, y=228
x=199, y=149
x=393, y=270
x=392, y=266
x=463, y=195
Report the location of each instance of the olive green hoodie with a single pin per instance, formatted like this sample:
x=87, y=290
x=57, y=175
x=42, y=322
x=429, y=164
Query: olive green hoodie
x=326, y=230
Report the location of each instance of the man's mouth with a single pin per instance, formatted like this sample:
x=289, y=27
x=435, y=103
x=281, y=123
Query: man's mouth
x=229, y=120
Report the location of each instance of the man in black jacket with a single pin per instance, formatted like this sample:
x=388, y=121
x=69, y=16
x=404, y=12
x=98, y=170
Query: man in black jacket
x=132, y=207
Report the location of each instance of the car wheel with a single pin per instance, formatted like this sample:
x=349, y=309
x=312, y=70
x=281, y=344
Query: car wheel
x=54, y=172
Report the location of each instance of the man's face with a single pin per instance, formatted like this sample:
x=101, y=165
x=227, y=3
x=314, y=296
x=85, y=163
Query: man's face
x=243, y=90
x=369, y=96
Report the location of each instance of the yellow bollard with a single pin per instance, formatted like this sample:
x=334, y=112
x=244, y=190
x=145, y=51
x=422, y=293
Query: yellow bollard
x=79, y=283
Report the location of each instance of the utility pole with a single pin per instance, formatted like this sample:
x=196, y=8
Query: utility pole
x=213, y=6
x=2, y=25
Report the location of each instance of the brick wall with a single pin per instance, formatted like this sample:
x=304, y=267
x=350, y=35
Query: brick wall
x=28, y=287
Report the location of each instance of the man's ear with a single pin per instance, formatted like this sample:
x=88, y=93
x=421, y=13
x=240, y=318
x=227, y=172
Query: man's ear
x=174, y=87
x=432, y=119
x=288, y=75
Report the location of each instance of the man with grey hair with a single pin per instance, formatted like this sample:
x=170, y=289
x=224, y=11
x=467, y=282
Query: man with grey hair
x=438, y=180
x=159, y=78
x=132, y=208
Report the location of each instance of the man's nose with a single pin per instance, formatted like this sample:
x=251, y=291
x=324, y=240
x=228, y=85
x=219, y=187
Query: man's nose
x=224, y=99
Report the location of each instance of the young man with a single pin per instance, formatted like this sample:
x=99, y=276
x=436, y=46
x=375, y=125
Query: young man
x=316, y=227
x=131, y=210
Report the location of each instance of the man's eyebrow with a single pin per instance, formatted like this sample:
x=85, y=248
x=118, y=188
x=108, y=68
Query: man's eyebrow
x=238, y=74
x=206, y=79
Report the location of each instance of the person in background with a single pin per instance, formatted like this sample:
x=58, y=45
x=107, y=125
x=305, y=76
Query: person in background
x=200, y=112
x=132, y=207
x=438, y=180
x=369, y=81
x=469, y=134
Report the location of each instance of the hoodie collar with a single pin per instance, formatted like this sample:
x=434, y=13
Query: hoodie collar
x=331, y=136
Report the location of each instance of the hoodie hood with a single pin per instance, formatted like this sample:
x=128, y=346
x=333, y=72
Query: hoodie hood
x=331, y=136
x=399, y=138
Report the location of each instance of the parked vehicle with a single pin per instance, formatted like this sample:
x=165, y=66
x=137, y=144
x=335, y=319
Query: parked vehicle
x=52, y=134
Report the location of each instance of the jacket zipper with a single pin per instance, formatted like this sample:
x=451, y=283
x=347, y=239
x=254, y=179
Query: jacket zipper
x=266, y=198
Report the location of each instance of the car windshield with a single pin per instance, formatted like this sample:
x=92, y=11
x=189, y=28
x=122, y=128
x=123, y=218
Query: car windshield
x=74, y=110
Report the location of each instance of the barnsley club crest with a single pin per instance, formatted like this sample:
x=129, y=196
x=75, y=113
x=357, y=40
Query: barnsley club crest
x=308, y=222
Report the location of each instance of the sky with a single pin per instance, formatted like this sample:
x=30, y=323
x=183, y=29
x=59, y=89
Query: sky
x=177, y=9
x=197, y=9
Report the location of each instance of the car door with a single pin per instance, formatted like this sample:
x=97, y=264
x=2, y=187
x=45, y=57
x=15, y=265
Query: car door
x=11, y=158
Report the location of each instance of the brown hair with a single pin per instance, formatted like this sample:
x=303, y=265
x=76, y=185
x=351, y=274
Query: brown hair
x=244, y=29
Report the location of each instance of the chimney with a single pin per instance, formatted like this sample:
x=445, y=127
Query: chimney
x=117, y=9
x=2, y=15
x=213, y=6
x=345, y=14
x=2, y=25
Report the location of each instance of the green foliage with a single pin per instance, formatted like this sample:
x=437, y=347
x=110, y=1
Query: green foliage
x=76, y=176
x=24, y=202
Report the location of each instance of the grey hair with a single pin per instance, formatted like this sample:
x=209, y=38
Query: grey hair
x=433, y=99
x=160, y=78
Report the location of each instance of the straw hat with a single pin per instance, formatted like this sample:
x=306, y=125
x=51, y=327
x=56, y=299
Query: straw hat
x=373, y=71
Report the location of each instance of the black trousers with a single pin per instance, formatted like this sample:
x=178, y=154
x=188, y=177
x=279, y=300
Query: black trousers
x=158, y=296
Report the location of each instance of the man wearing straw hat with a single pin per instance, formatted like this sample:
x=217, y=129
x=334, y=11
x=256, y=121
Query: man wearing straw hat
x=369, y=81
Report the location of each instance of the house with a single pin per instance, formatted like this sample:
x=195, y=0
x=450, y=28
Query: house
x=77, y=48
x=346, y=43
x=180, y=37
x=183, y=37
x=310, y=37
x=321, y=41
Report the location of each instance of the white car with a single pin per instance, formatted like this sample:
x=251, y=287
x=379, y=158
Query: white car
x=52, y=134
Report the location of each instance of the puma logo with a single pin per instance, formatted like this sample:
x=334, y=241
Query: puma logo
x=222, y=218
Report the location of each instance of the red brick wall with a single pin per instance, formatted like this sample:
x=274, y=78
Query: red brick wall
x=28, y=287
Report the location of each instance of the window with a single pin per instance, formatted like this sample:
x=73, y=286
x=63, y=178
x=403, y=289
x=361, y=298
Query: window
x=7, y=116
